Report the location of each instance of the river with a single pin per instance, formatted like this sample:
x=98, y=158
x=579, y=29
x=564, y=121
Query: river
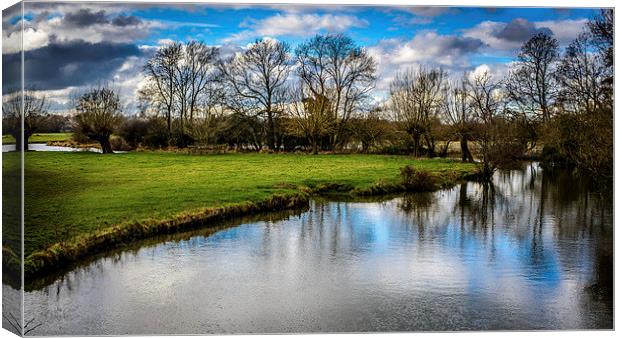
x=534, y=250
x=44, y=147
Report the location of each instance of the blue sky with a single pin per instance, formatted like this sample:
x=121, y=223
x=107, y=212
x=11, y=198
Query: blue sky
x=69, y=46
x=380, y=22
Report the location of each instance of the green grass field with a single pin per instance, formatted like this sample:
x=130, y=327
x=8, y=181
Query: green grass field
x=75, y=193
x=40, y=138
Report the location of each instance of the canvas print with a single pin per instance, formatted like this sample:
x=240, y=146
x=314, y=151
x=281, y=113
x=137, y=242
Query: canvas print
x=230, y=168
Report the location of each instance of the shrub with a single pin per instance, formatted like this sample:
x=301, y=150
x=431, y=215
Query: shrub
x=80, y=137
x=583, y=140
x=119, y=143
x=266, y=151
x=417, y=180
x=99, y=115
x=157, y=133
x=134, y=131
x=182, y=139
x=394, y=150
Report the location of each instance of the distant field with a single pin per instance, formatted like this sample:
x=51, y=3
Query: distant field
x=39, y=138
x=68, y=194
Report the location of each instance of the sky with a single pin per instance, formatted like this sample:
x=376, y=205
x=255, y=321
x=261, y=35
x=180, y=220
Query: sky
x=69, y=47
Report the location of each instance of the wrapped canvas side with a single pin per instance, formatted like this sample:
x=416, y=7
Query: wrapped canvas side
x=12, y=174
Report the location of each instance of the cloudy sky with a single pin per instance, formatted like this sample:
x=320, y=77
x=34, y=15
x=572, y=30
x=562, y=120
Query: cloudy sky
x=72, y=46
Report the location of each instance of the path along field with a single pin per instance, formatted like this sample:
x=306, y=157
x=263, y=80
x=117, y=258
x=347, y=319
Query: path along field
x=69, y=194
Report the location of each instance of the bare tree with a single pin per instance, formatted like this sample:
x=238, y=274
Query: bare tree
x=161, y=70
x=34, y=107
x=531, y=83
x=602, y=29
x=486, y=102
x=180, y=76
x=333, y=66
x=311, y=115
x=192, y=76
x=581, y=74
x=212, y=109
x=415, y=98
x=459, y=114
x=199, y=62
x=371, y=127
x=583, y=136
x=257, y=78
x=99, y=115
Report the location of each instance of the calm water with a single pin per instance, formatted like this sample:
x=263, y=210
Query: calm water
x=532, y=251
x=45, y=147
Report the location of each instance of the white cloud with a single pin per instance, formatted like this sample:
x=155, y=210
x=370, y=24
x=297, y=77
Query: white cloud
x=480, y=71
x=564, y=30
x=490, y=32
x=296, y=24
x=429, y=11
x=126, y=81
x=60, y=99
x=162, y=42
x=429, y=46
x=499, y=71
x=12, y=42
x=44, y=29
x=309, y=8
x=486, y=30
x=425, y=48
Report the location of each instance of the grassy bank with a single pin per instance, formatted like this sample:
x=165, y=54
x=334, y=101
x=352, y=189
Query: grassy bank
x=40, y=138
x=73, y=199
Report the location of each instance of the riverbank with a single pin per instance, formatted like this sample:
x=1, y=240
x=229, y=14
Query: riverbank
x=40, y=138
x=79, y=203
x=377, y=265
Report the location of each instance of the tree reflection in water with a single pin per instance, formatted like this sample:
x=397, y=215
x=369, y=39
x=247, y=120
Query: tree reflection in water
x=537, y=208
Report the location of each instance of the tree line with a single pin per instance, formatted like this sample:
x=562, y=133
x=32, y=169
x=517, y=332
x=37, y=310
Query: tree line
x=271, y=94
x=317, y=97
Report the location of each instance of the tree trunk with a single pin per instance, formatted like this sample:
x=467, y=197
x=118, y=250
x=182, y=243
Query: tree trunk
x=466, y=155
x=487, y=171
x=443, y=151
x=430, y=143
x=271, y=133
x=365, y=147
x=315, y=147
x=416, y=144
x=169, y=122
x=463, y=202
x=18, y=144
x=106, y=146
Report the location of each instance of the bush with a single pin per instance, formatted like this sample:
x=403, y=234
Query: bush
x=156, y=134
x=552, y=157
x=79, y=137
x=585, y=141
x=394, y=150
x=134, y=131
x=509, y=145
x=119, y=144
x=149, y=132
x=266, y=151
x=182, y=139
x=417, y=180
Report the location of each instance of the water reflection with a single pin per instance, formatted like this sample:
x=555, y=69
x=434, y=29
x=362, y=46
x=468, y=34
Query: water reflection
x=532, y=250
x=45, y=147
